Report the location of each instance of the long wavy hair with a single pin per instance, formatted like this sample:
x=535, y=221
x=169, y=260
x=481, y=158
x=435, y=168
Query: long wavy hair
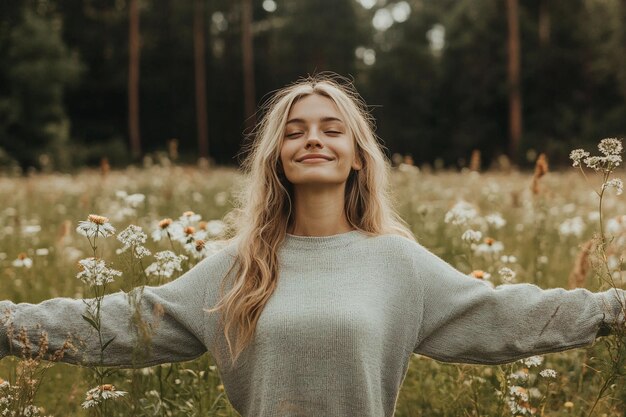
x=263, y=206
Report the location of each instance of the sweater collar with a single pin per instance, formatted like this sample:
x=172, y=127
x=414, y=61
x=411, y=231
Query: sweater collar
x=322, y=242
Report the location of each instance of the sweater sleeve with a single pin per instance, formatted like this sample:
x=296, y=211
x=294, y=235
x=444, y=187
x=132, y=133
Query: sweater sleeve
x=174, y=311
x=466, y=320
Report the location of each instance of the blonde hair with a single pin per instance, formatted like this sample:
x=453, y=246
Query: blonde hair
x=264, y=211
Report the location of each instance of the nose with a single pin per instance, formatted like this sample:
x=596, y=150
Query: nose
x=313, y=140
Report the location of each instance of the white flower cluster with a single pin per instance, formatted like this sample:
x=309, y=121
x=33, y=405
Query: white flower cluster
x=22, y=261
x=461, y=213
x=101, y=393
x=167, y=262
x=614, y=183
x=472, y=236
x=496, y=220
x=532, y=361
x=488, y=246
x=95, y=272
x=578, y=155
x=572, y=227
x=611, y=148
x=127, y=205
x=548, y=373
x=133, y=238
x=132, y=200
x=9, y=398
x=518, y=401
x=507, y=275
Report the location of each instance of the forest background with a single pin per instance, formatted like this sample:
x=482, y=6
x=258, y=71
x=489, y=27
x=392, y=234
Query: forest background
x=83, y=80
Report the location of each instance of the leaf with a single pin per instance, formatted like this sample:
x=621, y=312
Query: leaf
x=108, y=343
x=90, y=321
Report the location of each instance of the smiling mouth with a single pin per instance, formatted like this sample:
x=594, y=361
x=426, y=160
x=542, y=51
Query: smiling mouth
x=314, y=160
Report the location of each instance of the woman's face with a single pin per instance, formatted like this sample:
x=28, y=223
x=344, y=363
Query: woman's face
x=315, y=126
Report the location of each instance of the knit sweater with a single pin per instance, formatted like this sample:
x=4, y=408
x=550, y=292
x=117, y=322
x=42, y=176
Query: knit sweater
x=336, y=336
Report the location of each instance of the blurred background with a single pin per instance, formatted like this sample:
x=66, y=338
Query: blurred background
x=83, y=80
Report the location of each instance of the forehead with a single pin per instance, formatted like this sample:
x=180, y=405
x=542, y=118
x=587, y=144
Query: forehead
x=314, y=107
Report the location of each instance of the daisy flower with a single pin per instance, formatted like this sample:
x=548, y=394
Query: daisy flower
x=94, y=226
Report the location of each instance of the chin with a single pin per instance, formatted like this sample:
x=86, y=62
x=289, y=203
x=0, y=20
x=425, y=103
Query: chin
x=318, y=180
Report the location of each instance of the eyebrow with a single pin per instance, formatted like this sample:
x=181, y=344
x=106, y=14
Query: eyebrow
x=323, y=119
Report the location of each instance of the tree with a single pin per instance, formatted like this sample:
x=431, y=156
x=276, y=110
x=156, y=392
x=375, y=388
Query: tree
x=247, y=48
x=133, y=78
x=200, y=73
x=513, y=73
x=33, y=121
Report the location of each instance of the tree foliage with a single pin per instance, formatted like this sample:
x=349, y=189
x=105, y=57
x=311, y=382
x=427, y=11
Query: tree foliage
x=429, y=102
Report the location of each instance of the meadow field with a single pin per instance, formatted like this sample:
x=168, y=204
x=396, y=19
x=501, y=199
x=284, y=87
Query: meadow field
x=502, y=227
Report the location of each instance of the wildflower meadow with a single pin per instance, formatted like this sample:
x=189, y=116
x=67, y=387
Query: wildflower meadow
x=96, y=232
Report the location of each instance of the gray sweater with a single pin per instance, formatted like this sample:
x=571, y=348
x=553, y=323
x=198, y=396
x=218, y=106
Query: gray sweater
x=336, y=337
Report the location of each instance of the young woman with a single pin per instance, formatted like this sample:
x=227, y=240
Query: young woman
x=316, y=305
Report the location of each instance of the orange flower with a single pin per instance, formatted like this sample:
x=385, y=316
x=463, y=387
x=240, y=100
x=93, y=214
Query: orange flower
x=478, y=274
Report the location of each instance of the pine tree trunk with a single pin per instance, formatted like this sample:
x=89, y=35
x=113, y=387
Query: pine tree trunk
x=133, y=79
x=200, y=72
x=515, y=98
x=248, y=63
x=544, y=23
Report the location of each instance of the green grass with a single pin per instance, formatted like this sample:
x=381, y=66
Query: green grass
x=531, y=234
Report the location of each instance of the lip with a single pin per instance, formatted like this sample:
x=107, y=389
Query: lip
x=315, y=156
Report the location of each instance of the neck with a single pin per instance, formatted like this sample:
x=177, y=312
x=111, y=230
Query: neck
x=319, y=212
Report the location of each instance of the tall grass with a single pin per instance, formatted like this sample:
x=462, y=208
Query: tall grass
x=526, y=228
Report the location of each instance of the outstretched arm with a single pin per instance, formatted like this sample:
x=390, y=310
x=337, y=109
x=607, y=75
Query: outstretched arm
x=174, y=310
x=465, y=320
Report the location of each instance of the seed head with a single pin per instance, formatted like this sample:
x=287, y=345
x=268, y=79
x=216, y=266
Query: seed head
x=200, y=244
x=99, y=220
x=165, y=223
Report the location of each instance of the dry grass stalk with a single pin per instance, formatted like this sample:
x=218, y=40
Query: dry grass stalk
x=475, y=161
x=541, y=169
x=578, y=275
